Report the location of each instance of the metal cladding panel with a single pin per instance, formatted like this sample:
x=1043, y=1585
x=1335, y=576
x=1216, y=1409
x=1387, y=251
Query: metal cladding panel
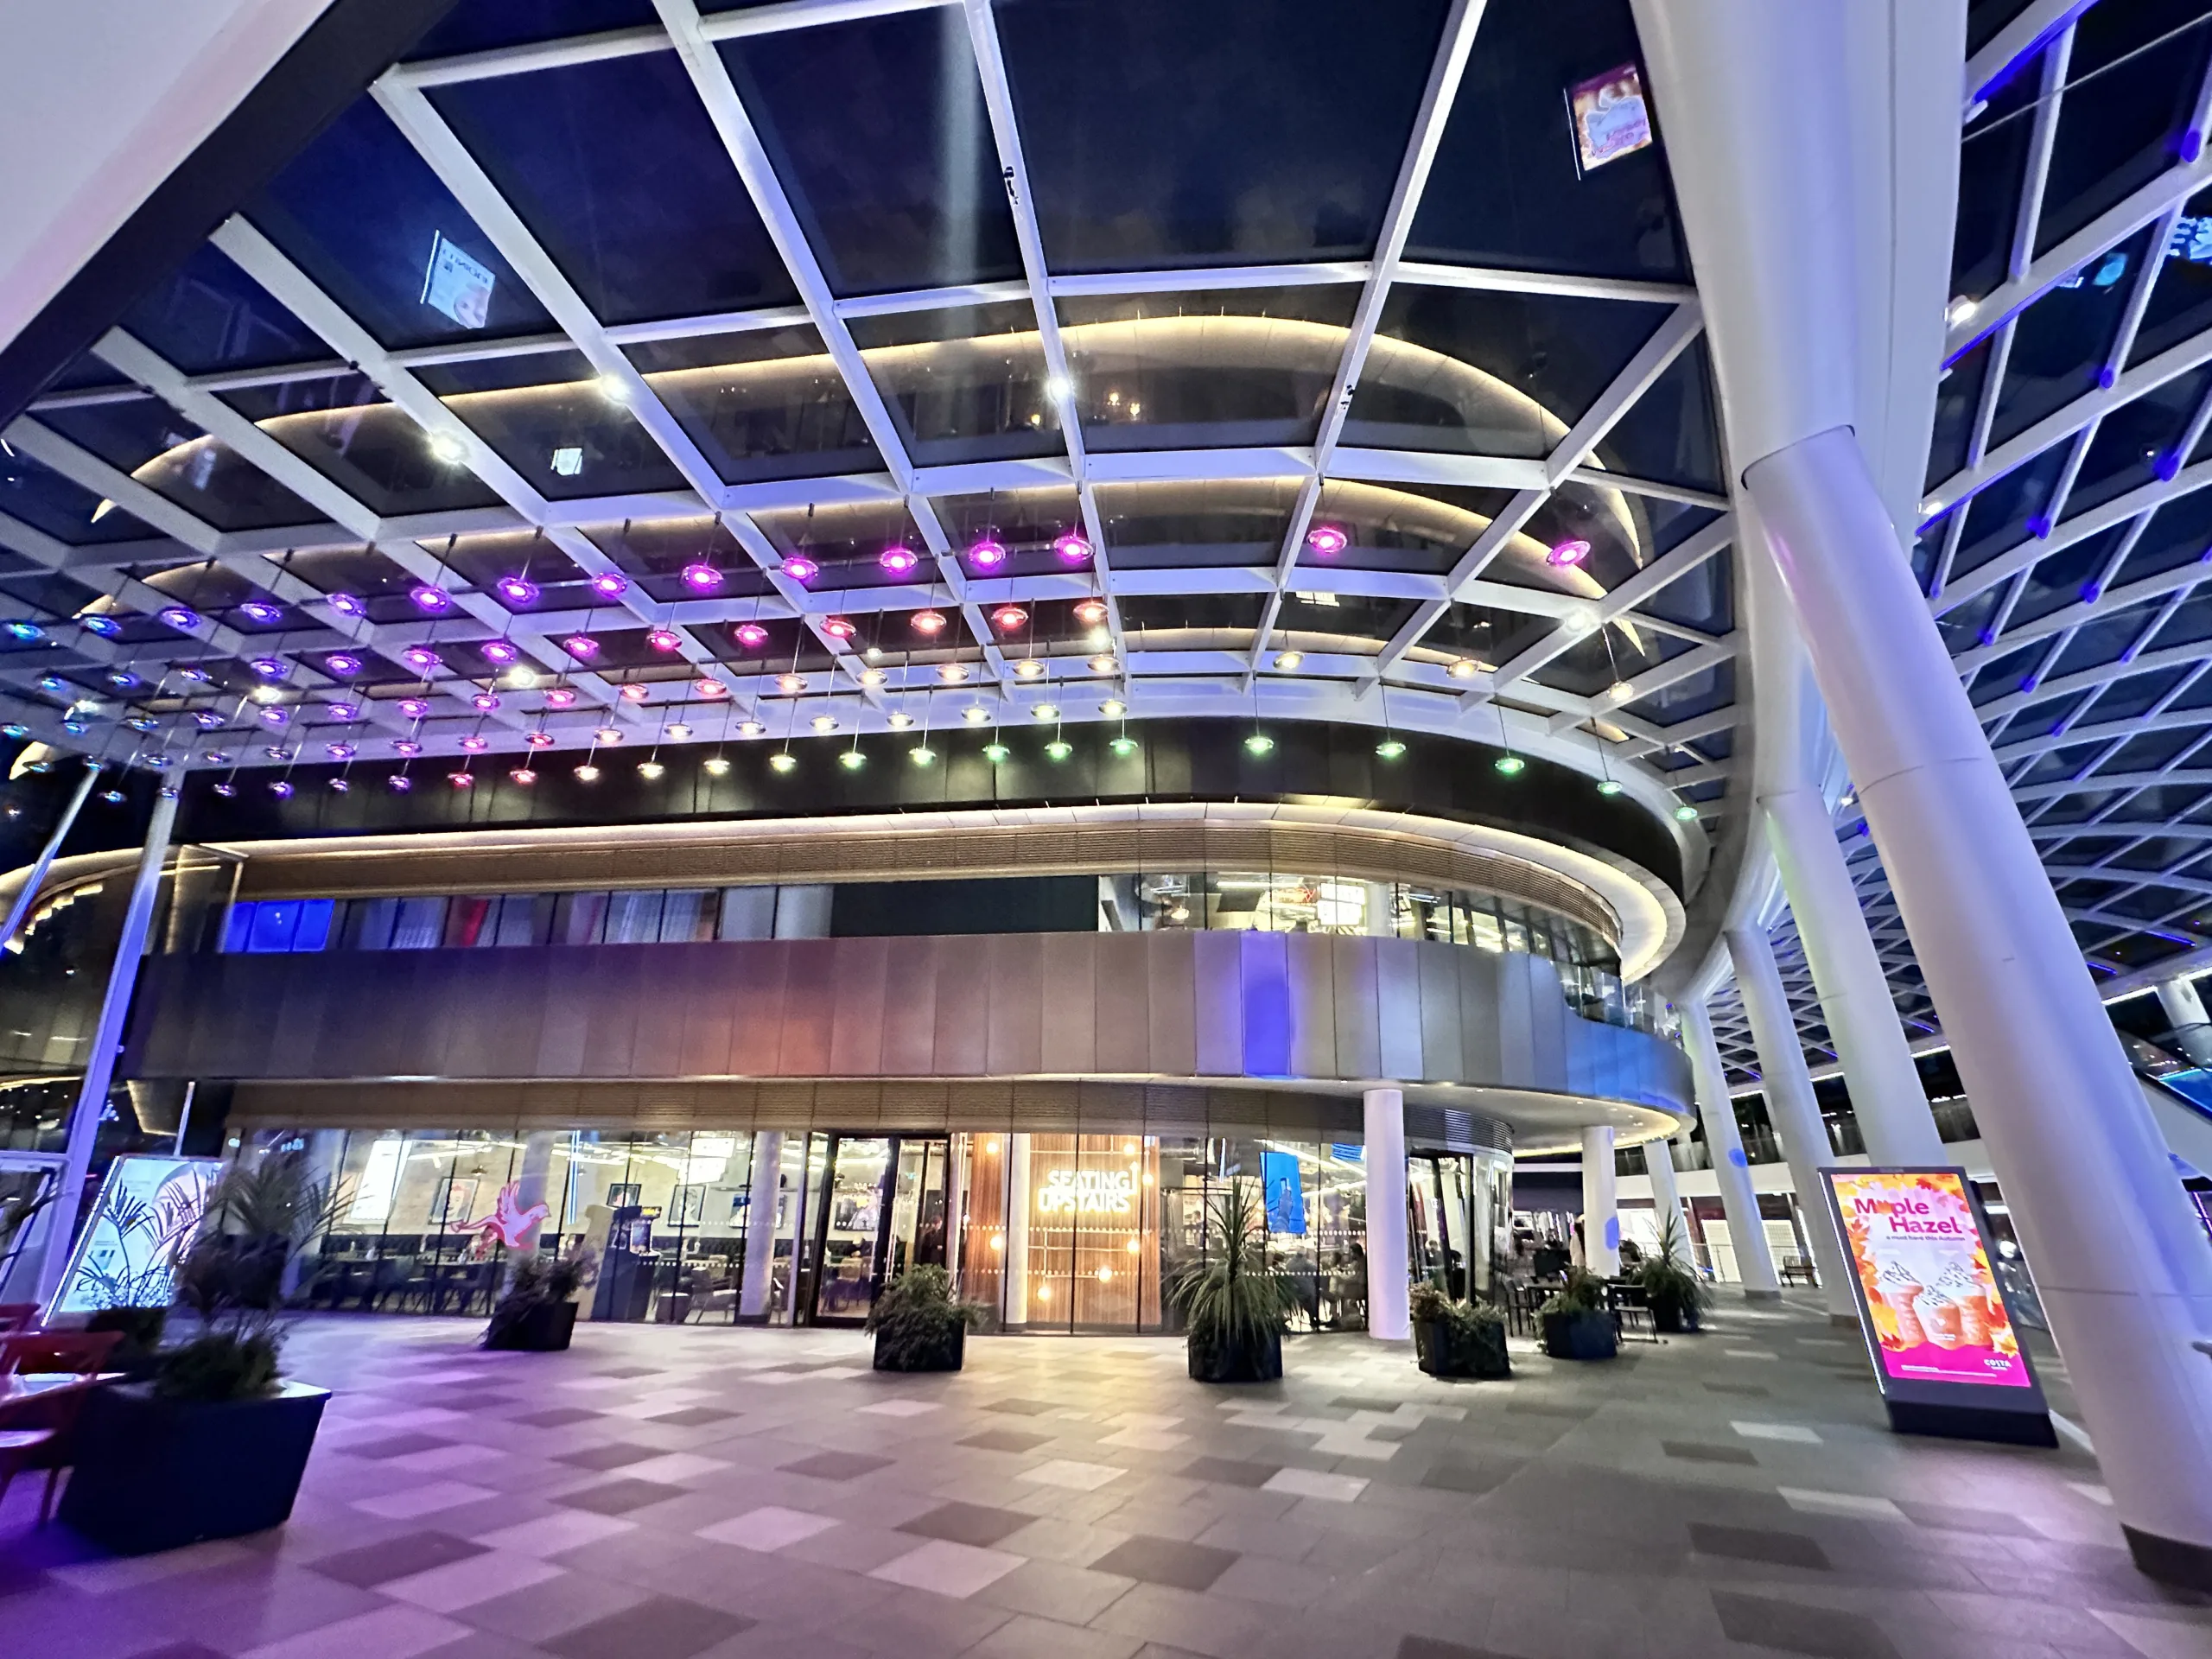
x=910, y=968
x=1218, y=990
x=1310, y=965
x=610, y=1011
x=1547, y=1023
x=1517, y=1013
x=664, y=987
x=810, y=980
x=1263, y=966
x=1479, y=1020
x=1172, y=987
x=963, y=1007
x=709, y=995
x=562, y=1031
x=1359, y=1033
x=1441, y=1056
x=860, y=983
x=756, y=1007
x=1125, y=1002
x=1070, y=1014
x=292, y=1015
x=1016, y=1042
x=1397, y=1000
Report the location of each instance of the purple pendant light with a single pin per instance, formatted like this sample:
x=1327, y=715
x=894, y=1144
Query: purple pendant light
x=581, y=646
x=1074, y=546
x=1327, y=540
x=899, y=559
x=610, y=584
x=518, y=590
x=1572, y=551
x=700, y=577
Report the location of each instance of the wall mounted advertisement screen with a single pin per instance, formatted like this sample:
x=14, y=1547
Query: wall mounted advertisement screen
x=1947, y=1355
x=147, y=1212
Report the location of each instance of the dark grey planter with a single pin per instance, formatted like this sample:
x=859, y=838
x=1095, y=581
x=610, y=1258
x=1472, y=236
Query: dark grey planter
x=1236, y=1362
x=946, y=1354
x=1671, y=1320
x=1579, y=1335
x=1445, y=1350
x=545, y=1329
x=158, y=1474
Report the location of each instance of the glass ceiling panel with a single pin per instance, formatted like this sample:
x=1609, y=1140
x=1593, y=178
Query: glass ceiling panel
x=1685, y=699
x=1957, y=401
x=2125, y=454
x=1203, y=522
x=1024, y=524
x=963, y=382
x=1993, y=169
x=178, y=461
x=766, y=404
x=1508, y=188
x=1480, y=633
x=1610, y=657
x=1997, y=517
x=362, y=572
x=849, y=540
x=1225, y=134
x=363, y=216
x=548, y=419
x=486, y=25
x=1247, y=367
x=210, y=316
x=2122, y=125
x=617, y=171
x=484, y=562
x=344, y=427
x=1184, y=621
x=896, y=177
x=2181, y=301
x=1425, y=528
x=33, y=493
x=2064, y=342
x=1671, y=436
x=1705, y=599
x=1476, y=372
x=1987, y=18
x=1619, y=533
x=1356, y=623
x=656, y=551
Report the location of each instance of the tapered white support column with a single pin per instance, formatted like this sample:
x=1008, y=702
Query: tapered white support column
x=1853, y=990
x=107, y=1039
x=36, y=877
x=531, y=1181
x=2184, y=1011
x=1666, y=1193
x=1732, y=1171
x=2122, y=1264
x=761, y=1197
x=1017, y=1229
x=1791, y=1108
x=1390, y=1317
x=1601, y=1210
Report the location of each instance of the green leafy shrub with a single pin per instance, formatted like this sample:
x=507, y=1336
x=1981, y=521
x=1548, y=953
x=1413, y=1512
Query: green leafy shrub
x=917, y=1321
x=237, y=1361
x=1671, y=1284
x=536, y=1280
x=1232, y=1299
x=1582, y=1292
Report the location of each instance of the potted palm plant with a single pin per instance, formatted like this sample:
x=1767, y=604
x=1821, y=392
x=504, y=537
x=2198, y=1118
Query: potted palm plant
x=1577, y=1323
x=1232, y=1300
x=1454, y=1338
x=918, y=1325
x=1672, y=1288
x=536, y=1313
x=214, y=1444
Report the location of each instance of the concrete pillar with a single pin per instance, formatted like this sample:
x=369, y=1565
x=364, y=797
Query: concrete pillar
x=1017, y=1229
x=36, y=876
x=1732, y=1171
x=107, y=1038
x=955, y=1199
x=531, y=1181
x=2184, y=1011
x=1389, y=1316
x=1667, y=1196
x=762, y=1194
x=1601, y=1213
x=1790, y=1105
x=2122, y=1265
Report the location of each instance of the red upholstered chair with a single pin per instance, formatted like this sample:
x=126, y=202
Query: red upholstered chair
x=19, y=1448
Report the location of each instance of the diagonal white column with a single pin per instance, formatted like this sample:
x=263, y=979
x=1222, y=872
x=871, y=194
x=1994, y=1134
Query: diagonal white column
x=1789, y=1103
x=1732, y=1171
x=1666, y=1192
x=28, y=893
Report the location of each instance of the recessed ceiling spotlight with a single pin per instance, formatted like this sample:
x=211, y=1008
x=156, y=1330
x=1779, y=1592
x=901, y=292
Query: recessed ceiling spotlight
x=1029, y=669
x=581, y=646
x=610, y=584
x=839, y=627
x=750, y=635
x=432, y=601
x=664, y=639
x=1074, y=546
x=1113, y=708
x=484, y=702
x=518, y=590
x=974, y=714
x=790, y=685
x=752, y=729
x=799, y=568
x=986, y=553
x=541, y=740
x=448, y=447
x=607, y=734
x=900, y=719
x=636, y=692
x=926, y=622
x=825, y=722
x=702, y=577
x=1007, y=617
x=782, y=762
x=1327, y=540
x=501, y=651
x=898, y=559
x=1289, y=661
x=1465, y=669
x=1046, y=711
x=183, y=618
x=261, y=611
x=871, y=677
x=952, y=673
x=1573, y=551
x=1104, y=663
x=1092, y=613
x=678, y=733
x=561, y=696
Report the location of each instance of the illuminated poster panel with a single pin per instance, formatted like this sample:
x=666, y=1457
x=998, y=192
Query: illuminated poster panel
x=1946, y=1354
x=148, y=1210
x=1612, y=116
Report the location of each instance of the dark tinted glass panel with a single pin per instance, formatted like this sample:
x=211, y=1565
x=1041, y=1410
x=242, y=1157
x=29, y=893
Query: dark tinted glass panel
x=2061, y=343
x=485, y=25
x=547, y=417
x=84, y=372
x=849, y=540
x=1025, y=523
x=342, y=426
x=766, y=403
x=1508, y=187
x=2181, y=301
x=1993, y=163
x=2122, y=125
x=1705, y=599
x=1479, y=633
x=1587, y=541
x=1240, y=367
x=617, y=169
x=366, y=218
x=1986, y=18
x=1610, y=657
x=177, y=461
x=1997, y=517
x=1399, y=526
x=965, y=383
x=1230, y=132
x=1685, y=699
x=484, y=562
x=212, y=315
x=1669, y=435
x=33, y=493
x=2129, y=442
x=895, y=176
x=657, y=551
x=1169, y=614
x=1957, y=402
x=1358, y=623
x=362, y=572
x=1222, y=521
x=1486, y=373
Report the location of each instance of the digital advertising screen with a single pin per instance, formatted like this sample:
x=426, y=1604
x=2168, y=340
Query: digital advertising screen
x=1612, y=116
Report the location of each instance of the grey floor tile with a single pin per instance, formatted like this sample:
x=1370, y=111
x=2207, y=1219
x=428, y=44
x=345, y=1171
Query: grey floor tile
x=968, y=1523
x=1175, y=1561
x=1427, y=1647
x=1950, y=1517
x=665, y=1627
x=692, y=1417
x=1795, y=1627
x=600, y=1459
x=1749, y=1544
x=1698, y=1451
x=1233, y=1472
x=1006, y=1440
x=398, y=1446
x=1020, y=1408
x=394, y=1558
x=836, y=1466
x=1471, y=1476
x=620, y=1496
x=556, y=1417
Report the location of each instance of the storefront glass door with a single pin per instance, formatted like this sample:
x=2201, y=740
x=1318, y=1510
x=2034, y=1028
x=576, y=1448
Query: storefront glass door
x=880, y=1210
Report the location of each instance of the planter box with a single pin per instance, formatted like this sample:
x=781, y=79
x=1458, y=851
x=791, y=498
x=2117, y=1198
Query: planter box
x=1670, y=1321
x=946, y=1354
x=157, y=1474
x=1235, y=1362
x=1579, y=1335
x=1444, y=1351
x=544, y=1330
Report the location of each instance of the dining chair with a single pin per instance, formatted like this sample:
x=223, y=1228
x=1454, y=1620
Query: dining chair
x=56, y=1350
x=44, y=1436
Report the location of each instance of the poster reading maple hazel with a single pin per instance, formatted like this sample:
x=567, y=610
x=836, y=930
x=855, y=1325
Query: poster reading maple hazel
x=1935, y=1307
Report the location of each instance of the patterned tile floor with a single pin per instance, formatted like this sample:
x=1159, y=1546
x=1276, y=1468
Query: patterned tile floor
x=665, y=1493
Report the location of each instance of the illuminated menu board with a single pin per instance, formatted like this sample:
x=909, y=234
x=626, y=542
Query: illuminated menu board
x=1945, y=1349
